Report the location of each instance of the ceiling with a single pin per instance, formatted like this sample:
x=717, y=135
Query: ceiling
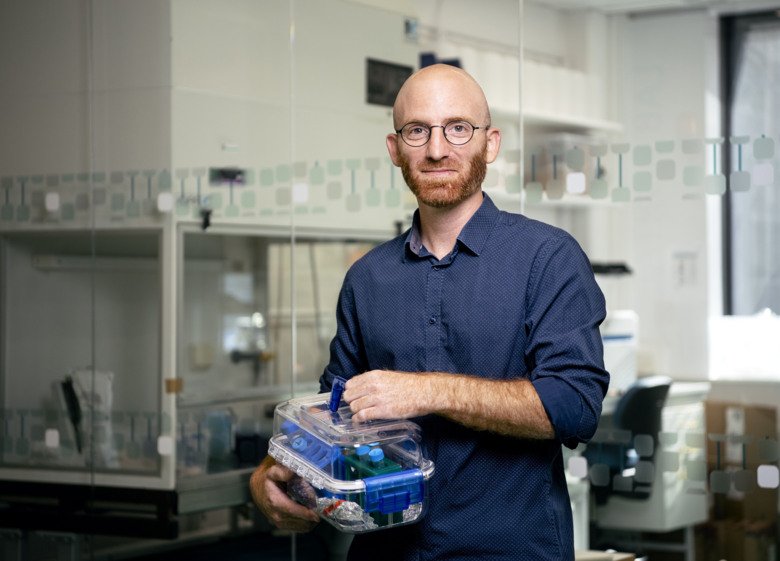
x=634, y=6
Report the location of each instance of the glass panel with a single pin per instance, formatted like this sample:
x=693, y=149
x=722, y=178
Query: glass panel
x=235, y=337
x=343, y=181
x=59, y=411
x=347, y=179
x=86, y=154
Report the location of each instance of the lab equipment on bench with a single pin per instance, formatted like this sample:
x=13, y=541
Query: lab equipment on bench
x=358, y=476
x=620, y=335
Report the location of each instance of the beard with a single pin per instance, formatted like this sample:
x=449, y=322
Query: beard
x=441, y=193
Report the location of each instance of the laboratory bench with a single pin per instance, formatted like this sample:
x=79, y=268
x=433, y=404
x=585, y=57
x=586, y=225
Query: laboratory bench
x=113, y=510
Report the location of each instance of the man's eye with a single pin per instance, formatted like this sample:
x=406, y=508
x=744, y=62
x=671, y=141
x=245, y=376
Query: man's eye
x=459, y=128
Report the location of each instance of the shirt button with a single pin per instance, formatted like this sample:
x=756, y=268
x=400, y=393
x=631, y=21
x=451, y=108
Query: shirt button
x=432, y=320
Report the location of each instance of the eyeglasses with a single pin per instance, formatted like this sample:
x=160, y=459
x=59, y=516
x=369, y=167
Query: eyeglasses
x=456, y=132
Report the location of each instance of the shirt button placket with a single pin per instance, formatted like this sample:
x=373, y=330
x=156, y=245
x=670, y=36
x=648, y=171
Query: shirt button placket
x=433, y=313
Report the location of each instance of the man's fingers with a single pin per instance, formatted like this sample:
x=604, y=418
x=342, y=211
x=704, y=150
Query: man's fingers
x=268, y=486
x=296, y=523
x=368, y=414
x=285, y=513
x=280, y=473
x=279, y=499
x=360, y=403
x=354, y=391
x=362, y=385
x=284, y=507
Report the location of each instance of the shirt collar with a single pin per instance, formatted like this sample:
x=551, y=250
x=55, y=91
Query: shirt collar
x=473, y=236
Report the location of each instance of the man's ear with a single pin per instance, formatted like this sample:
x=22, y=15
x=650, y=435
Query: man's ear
x=392, y=148
x=493, y=144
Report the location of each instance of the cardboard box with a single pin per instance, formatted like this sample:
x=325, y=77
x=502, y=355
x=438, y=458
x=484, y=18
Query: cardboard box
x=729, y=540
x=756, y=506
x=734, y=452
x=734, y=432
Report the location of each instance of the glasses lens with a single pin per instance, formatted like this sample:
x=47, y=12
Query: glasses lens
x=458, y=132
x=416, y=134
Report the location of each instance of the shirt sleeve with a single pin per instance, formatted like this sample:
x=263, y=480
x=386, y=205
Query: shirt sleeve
x=347, y=357
x=564, y=352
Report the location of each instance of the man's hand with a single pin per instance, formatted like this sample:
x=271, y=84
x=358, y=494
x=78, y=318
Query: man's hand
x=386, y=394
x=268, y=486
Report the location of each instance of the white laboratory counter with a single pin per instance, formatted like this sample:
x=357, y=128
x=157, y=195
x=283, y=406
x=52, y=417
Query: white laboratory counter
x=679, y=495
x=678, y=499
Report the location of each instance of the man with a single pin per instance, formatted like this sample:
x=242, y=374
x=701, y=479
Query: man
x=480, y=325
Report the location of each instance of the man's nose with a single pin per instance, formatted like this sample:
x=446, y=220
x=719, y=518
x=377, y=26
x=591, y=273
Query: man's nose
x=437, y=147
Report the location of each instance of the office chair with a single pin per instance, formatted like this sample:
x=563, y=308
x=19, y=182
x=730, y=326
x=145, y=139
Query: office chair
x=637, y=414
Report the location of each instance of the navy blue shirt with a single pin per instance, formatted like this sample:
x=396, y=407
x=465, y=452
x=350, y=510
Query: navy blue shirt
x=515, y=298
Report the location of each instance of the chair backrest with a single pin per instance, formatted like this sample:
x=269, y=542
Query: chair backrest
x=639, y=409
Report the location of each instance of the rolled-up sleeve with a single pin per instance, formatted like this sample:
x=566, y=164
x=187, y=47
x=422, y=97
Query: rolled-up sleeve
x=564, y=351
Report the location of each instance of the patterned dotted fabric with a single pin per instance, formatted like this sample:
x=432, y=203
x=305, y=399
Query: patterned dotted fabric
x=515, y=298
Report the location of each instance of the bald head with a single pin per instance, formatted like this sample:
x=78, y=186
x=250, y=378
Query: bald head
x=441, y=88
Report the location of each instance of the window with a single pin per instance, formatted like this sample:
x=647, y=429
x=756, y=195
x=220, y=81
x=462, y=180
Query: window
x=751, y=48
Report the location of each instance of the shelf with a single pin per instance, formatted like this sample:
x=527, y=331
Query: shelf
x=240, y=395
x=577, y=122
x=558, y=121
x=512, y=201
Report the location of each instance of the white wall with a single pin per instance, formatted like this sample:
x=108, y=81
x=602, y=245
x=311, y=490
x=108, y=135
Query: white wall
x=131, y=58
x=494, y=20
x=283, y=84
x=52, y=54
x=44, y=69
x=664, y=58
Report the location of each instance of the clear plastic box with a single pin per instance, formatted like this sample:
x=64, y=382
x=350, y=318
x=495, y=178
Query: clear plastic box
x=358, y=476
